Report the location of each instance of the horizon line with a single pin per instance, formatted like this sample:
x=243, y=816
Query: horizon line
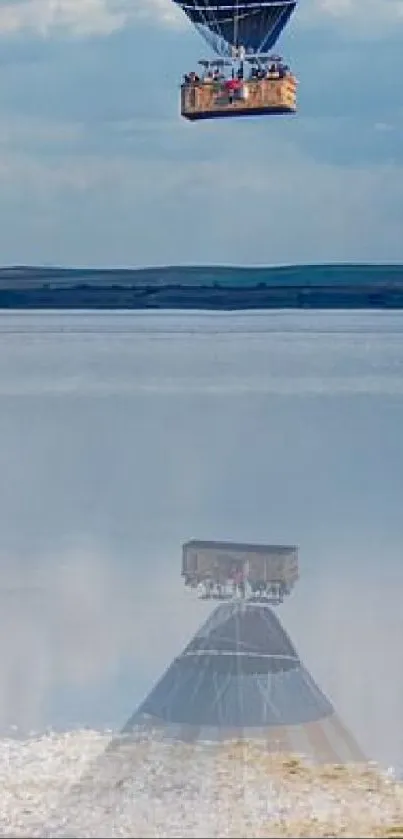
x=198, y=266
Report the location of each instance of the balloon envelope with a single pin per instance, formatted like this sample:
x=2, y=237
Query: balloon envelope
x=228, y=25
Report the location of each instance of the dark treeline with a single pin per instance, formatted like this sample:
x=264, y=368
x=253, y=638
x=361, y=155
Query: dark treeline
x=319, y=286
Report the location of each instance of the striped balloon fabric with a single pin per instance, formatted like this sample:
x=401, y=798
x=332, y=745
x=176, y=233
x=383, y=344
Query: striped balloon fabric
x=253, y=25
x=241, y=678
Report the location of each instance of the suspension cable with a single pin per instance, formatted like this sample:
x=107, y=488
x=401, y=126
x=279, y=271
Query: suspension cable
x=212, y=19
x=236, y=24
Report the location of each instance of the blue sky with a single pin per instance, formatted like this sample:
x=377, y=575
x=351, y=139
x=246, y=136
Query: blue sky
x=97, y=168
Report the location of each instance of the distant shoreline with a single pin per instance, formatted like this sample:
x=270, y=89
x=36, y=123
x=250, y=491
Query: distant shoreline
x=206, y=287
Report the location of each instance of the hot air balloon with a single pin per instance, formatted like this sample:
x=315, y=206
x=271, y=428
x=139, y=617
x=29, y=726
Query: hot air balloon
x=244, y=79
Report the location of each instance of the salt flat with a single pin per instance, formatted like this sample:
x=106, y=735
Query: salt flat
x=67, y=785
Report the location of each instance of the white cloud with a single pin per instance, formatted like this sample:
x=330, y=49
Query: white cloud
x=339, y=8
x=368, y=18
x=112, y=209
x=160, y=9
x=81, y=17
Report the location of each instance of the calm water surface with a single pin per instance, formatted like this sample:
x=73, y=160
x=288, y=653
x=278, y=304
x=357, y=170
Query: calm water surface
x=124, y=434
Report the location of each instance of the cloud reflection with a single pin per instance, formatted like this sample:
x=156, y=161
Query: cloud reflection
x=96, y=497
